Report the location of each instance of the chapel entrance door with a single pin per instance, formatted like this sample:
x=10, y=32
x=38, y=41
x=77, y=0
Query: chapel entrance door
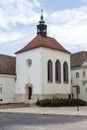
x=30, y=93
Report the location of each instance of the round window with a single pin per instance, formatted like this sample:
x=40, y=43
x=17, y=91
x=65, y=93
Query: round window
x=29, y=62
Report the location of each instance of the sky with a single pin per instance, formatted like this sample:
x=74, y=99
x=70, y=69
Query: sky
x=66, y=21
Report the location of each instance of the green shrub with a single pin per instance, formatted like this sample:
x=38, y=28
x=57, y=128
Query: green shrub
x=45, y=102
x=55, y=102
x=38, y=102
x=60, y=102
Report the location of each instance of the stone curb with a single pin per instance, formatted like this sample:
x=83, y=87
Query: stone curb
x=46, y=111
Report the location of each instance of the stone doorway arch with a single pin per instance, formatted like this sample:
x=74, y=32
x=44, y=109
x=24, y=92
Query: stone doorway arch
x=28, y=92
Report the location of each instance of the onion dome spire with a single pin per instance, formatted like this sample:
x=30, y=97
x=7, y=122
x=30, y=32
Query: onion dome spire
x=41, y=18
x=42, y=28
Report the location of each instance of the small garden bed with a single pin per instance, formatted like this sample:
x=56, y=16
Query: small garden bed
x=60, y=102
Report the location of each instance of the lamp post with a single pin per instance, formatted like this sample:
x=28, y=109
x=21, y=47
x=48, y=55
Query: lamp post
x=77, y=89
x=77, y=92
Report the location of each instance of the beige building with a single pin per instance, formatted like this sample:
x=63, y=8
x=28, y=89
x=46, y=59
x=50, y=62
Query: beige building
x=79, y=74
x=7, y=78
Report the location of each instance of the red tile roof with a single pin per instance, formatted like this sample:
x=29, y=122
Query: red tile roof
x=7, y=64
x=78, y=58
x=40, y=41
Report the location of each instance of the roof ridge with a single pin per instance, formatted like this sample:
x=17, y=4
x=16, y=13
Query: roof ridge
x=7, y=55
x=78, y=52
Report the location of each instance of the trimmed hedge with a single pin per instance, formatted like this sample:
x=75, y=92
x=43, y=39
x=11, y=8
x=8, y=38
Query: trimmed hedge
x=60, y=102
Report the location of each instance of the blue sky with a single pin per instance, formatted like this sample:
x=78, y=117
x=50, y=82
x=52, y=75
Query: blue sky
x=66, y=20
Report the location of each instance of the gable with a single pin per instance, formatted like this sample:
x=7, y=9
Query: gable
x=40, y=41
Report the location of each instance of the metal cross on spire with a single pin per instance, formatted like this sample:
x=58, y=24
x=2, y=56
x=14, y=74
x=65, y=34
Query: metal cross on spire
x=42, y=14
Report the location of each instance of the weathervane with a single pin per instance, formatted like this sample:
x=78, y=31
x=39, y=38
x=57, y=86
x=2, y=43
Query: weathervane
x=41, y=12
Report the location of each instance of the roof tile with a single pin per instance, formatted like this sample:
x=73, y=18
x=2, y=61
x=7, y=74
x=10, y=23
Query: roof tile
x=78, y=58
x=40, y=41
x=7, y=64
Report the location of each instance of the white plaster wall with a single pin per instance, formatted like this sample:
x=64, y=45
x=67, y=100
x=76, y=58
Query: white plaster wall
x=8, y=88
x=75, y=81
x=55, y=88
x=25, y=72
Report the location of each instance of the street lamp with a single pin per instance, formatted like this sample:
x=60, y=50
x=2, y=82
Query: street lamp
x=77, y=92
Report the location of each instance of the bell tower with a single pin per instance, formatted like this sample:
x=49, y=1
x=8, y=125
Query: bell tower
x=41, y=27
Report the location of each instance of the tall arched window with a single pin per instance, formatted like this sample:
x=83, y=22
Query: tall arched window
x=50, y=71
x=58, y=71
x=65, y=72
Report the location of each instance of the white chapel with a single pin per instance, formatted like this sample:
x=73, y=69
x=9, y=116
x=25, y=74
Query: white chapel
x=42, y=70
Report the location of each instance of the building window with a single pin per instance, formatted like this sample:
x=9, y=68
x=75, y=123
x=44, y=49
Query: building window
x=58, y=71
x=77, y=74
x=0, y=88
x=50, y=71
x=65, y=72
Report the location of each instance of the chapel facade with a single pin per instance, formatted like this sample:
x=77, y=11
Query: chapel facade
x=42, y=68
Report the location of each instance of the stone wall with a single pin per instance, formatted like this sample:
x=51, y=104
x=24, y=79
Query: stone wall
x=35, y=97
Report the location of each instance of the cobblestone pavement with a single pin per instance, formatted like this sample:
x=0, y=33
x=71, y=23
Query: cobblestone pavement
x=20, y=121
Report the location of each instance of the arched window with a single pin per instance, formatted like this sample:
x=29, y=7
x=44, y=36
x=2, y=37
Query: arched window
x=58, y=71
x=65, y=72
x=50, y=71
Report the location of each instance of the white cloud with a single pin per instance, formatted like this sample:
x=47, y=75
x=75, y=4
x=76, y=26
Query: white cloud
x=36, y=3
x=70, y=27
x=11, y=37
x=18, y=11
x=84, y=1
x=69, y=16
x=12, y=14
